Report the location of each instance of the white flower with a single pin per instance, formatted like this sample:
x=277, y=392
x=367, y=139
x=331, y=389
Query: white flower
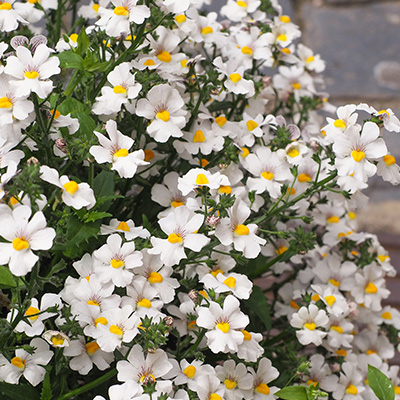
x=115, y=151
x=319, y=372
x=117, y=21
x=10, y=18
x=56, y=338
x=84, y=355
x=140, y=369
x=308, y=320
x=24, y=236
x=208, y=387
x=198, y=178
x=224, y=325
x=128, y=228
x=164, y=107
x=350, y=384
x=250, y=350
x=232, y=230
x=180, y=226
x=390, y=121
x=32, y=71
x=238, y=284
x=117, y=261
x=73, y=194
x=31, y=366
x=265, y=374
x=355, y=151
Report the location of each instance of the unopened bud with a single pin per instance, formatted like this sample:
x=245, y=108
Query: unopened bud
x=212, y=221
x=266, y=81
x=222, y=166
x=61, y=145
x=32, y=160
x=335, y=367
x=314, y=145
x=169, y=321
x=194, y=296
x=353, y=309
x=152, y=350
x=214, y=92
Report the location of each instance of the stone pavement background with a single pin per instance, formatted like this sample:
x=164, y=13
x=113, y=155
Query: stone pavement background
x=360, y=41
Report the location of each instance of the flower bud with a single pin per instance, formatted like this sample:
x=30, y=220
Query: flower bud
x=169, y=321
x=194, y=296
x=61, y=145
x=32, y=160
x=212, y=221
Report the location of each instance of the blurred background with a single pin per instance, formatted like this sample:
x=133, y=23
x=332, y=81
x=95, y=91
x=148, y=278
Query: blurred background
x=359, y=40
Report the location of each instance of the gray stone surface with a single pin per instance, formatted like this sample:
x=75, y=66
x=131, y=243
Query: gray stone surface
x=354, y=40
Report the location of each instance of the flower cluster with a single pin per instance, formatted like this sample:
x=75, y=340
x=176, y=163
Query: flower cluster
x=177, y=219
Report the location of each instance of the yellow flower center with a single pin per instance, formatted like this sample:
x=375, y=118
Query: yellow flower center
x=388, y=159
x=337, y=328
x=199, y=137
x=334, y=282
x=92, y=347
x=246, y=335
x=184, y=63
x=144, y=303
x=339, y=123
x=216, y=272
x=382, y=257
x=121, y=153
x=310, y=326
x=116, y=330
x=149, y=63
x=386, y=315
x=20, y=244
x=242, y=230
x=230, y=384
x=116, y=263
x=285, y=19
x=245, y=152
x=358, y=155
x=280, y=250
x=333, y=219
x=293, y=153
x=93, y=303
x=286, y=51
x=28, y=74
x=5, y=102
x=330, y=300
x=397, y=390
x=5, y=6
x=341, y=352
x=351, y=389
x=32, y=311
x=296, y=86
x=119, y=89
x=177, y=203
x=263, y=388
x=215, y=396
x=123, y=226
x=281, y=38
x=312, y=382
x=190, y=371
x=267, y=175
x=225, y=189
x=57, y=340
x=235, y=77
x=224, y=327
x=221, y=121
x=164, y=56
x=180, y=18
x=155, y=277
x=241, y=3
x=315, y=297
x=71, y=187
x=96, y=7
x=230, y=282
x=175, y=238
x=369, y=352
x=148, y=155
x=202, y=180
x=251, y=125
x=101, y=321
x=163, y=115
x=207, y=30
x=304, y=178
x=247, y=50
x=74, y=37
x=294, y=305
x=121, y=11
x=309, y=59
x=371, y=288
x=18, y=362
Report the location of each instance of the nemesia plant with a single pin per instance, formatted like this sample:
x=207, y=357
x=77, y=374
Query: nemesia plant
x=179, y=208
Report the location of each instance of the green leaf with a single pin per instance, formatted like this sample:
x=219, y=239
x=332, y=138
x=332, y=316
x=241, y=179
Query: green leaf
x=69, y=59
x=18, y=392
x=292, y=393
x=380, y=384
x=95, y=215
x=73, y=106
x=47, y=393
x=103, y=186
x=259, y=304
x=99, y=67
x=86, y=124
x=6, y=278
x=83, y=43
